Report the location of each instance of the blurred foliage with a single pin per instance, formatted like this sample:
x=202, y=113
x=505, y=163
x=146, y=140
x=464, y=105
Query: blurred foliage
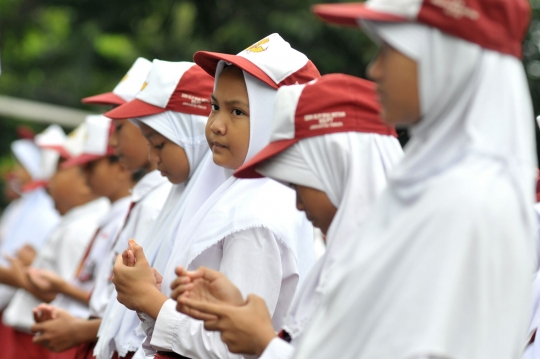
x=59, y=51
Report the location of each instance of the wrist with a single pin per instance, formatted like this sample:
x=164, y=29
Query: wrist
x=152, y=303
x=263, y=340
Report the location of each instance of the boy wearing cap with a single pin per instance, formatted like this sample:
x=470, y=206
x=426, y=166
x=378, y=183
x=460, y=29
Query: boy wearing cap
x=108, y=178
x=81, y=212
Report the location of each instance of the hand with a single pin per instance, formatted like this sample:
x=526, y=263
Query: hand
x=44, y=312
x=136, y=285
x=59, y=333
x=246, y=329
x=45, y=280
x=204, y=285
x=15, y=274
x=26, y=254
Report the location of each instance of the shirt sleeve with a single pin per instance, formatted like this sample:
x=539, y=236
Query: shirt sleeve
x=278, y=349
x=251, y=260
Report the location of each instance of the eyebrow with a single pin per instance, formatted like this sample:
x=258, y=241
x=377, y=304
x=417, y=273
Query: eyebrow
x=231, y=102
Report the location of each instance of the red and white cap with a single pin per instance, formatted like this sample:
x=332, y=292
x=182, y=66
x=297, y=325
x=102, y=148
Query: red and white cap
x=96, y=143
x=170, y=86
x=126, y=89
x=271, y=60
x=53, y=138
x=334, y=103
x=499, y=25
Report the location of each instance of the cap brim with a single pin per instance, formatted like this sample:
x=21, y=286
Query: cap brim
x=247, y=170
x=60, y=149
x=80, y=160
x=209, y=60
x=348, y=14
x=134, y=109
x=108, y=98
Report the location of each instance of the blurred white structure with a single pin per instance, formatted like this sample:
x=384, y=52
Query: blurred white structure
x=41, y=112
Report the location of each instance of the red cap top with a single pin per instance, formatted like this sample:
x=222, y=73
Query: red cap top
x=334, y=103
x=170, y=86
x=271, y=60
x=499, y=25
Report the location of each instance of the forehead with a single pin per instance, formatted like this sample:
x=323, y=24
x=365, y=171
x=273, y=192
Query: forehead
x=231, y=84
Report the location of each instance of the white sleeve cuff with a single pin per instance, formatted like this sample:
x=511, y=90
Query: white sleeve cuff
x=166, y=327
x=278, y=349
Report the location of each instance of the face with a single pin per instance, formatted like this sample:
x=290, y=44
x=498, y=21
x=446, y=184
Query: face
x=129, y=145
x=396, y=76
x=101, y=176
x=317, y=206
x=171, y=159
x=66, y=187
x=227, y=129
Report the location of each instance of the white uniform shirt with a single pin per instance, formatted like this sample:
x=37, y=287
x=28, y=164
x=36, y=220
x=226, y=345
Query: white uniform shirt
x=269, y=271
x=32, y=223
x=149, y=195
x=61, y=254
x=95, y=254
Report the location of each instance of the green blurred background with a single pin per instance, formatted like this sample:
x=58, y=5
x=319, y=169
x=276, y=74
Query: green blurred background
x=58, y=51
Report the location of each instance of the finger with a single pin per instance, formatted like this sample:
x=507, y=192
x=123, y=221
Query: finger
x=38, y=327
x=125, y=257
x=181, y=280
x=205, y=273
x=195, y=314
x=211, y=325
x=131, y=258
x=181, y=289
x=37, y=315
x=179, y=270
x=137, y=251
x=159, y=277
x=219, y=310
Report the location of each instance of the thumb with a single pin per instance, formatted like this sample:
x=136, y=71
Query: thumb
x=137, y=251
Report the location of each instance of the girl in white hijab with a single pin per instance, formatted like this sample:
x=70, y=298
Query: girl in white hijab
x=248, y=229
x=446, y=259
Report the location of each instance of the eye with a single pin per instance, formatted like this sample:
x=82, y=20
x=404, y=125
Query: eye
x=160, y=146
x=118, y=128
x=215, y=107
x=237, y=112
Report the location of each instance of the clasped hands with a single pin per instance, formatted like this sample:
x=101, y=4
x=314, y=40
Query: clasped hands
x=208, y=295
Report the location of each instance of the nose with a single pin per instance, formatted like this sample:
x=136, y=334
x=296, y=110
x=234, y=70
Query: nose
x=299, y=203
x=113, y=139
x=153, y=155
x=217, y=125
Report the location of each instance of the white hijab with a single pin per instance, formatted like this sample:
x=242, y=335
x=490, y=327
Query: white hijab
x=186, y=131
x=236, y=204
x=444, y=263
x=351, y=168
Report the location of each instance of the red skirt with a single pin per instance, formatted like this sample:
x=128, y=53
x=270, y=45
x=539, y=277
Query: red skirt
x=26, y=349
x=66, y=354
x=85, y=351
x=6, y=339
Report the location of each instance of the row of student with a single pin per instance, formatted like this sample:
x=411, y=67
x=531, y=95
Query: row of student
x=437, y=265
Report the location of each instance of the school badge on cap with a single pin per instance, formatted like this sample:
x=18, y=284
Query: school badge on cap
x=334, y=103
x=127, y=88
x=271, y=60
x=499, y=25
x=96, y=142
x=170, y=86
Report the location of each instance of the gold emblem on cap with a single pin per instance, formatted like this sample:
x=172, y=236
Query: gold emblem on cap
x=144, y=85
x=124, y=78
x=258, y=46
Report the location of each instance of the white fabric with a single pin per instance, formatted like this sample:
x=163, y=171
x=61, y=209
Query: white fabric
x=533, y=350
x=283, y=126
x=257, y=262
x=101, y=242
x=278, y=348
x=35, y=220
x=161, y=82
x=185, y=130
x=9, y=216
x=132, y=82
x=444, y=263
x=352, y=168
x=61, y=254
x=290, y=167
x=97, y=139
x=29, y=156
x=234, y=207
x=275, y=57
x=149, y=196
